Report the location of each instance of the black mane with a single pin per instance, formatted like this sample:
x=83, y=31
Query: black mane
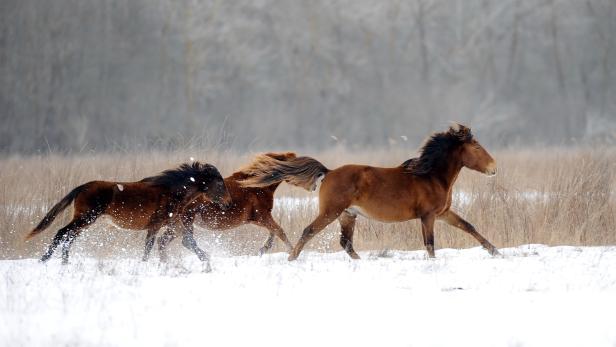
x=436, y=150
x=183, y=174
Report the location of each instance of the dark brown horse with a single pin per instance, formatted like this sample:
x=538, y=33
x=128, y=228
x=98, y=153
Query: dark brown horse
x=251, y=205
x=149, y=204
x=419, y=188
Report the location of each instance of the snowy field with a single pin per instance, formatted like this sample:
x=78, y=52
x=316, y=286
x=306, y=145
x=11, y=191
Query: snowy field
x=533, y=296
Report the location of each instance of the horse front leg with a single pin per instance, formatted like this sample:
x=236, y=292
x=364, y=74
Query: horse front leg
x=454, y=220
x=427, y=230
x=149, y=243
x=188, y=240
x=163, y=242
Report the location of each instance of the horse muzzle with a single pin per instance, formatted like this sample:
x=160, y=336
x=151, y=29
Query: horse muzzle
x=224, y=204
x=491, y=169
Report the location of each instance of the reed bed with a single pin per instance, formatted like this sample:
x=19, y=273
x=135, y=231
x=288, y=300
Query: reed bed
x=553, y=196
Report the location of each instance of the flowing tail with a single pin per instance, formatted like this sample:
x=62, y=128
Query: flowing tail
x=51, y=215
x=268, y=169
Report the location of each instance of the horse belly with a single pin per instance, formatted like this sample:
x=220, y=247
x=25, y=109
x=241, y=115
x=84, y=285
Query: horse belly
x=133, y=221
x=131, y=214
x=119, y=223
x=382, y=213
x=216, y=219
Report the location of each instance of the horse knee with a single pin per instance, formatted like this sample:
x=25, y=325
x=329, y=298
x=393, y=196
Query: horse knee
x=188, y=242
x=308, y=232
x=162, y=242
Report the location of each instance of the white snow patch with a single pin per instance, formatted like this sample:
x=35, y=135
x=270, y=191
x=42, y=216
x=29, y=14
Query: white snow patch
x=535, y=295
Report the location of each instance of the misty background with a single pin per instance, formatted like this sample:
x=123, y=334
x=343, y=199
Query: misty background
x=79, y=75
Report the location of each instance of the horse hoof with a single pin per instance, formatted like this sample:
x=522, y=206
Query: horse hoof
x=292, y=257
x=496, y=253
x=262, y=251
x=207, y=268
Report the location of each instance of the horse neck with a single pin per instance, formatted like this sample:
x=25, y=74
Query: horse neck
x=449, y=175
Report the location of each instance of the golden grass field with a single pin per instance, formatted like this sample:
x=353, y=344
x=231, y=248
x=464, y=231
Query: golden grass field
x=551, y=196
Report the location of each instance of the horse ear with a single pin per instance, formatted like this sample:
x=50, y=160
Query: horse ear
x=461, y=131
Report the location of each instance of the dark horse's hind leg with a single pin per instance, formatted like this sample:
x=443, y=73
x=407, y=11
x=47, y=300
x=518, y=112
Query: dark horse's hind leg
x=149, y=243
x=67, y=235
x=347, y=226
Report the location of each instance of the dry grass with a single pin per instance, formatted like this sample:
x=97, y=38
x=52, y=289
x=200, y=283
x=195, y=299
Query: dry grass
x=549, y=196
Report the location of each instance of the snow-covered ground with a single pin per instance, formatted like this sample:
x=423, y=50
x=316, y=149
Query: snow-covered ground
x=533, y=296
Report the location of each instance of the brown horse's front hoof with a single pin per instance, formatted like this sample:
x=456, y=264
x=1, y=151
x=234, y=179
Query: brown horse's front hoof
x=262, y=251
x=494, y=252
x=354, y=256
x=292, y=257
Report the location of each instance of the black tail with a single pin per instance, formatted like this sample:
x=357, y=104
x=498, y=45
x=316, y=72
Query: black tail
x=51, y=215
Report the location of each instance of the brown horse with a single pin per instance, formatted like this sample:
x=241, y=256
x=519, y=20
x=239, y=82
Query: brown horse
x=145, y=205
x=250, y=206
x=419, y=188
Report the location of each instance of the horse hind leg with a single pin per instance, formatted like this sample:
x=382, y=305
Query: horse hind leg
x=66, y=236
x=347, y=227
x=322, y=220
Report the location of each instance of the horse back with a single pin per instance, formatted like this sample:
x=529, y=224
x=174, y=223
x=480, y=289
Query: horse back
x=131, y=205
x=386, y=194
